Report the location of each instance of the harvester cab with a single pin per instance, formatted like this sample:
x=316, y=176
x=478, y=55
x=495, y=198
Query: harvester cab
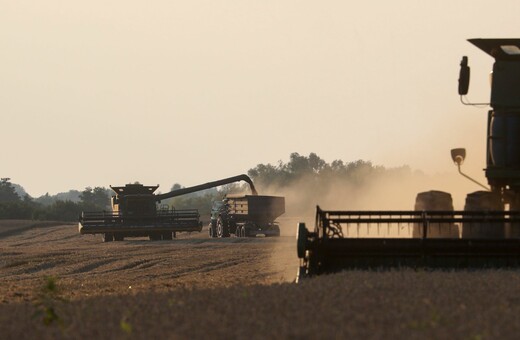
x=485, y=234
x=134, y=200
x=503, y=121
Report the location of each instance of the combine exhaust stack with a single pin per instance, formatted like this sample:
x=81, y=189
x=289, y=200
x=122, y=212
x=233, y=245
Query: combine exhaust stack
x=384, y=239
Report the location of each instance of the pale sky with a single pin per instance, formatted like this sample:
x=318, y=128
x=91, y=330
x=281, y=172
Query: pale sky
x=99, y=93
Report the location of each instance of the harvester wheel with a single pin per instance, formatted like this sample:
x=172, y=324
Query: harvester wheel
x=435, y=201
x=483, y=201
x=119, y=237
x=301, y=240
x=155, y=237
x=167, y=236
x=242, y=231
x=107, y=237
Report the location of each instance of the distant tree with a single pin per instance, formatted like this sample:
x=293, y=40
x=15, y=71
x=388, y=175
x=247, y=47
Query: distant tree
x=176, y=186
x=45, y=199
x=313, y=168
x=71, y=195
x=7, y=191
x=58, y=211
x=19, y=190
x=300, y=165
x=95, y=199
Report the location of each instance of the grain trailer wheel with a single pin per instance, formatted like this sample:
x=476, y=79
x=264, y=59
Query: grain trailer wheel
x=276, y=230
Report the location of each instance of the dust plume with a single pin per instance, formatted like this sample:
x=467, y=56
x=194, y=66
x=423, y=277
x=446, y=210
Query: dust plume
x=365, y=188
x=388, y=190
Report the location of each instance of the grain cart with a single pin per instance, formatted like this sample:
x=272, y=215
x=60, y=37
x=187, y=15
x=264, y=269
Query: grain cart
x=136, y=212
x=246, y=216
x=485, y=234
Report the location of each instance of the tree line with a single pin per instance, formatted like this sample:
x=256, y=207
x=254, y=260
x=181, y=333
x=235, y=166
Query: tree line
x=311, y=170
x=14, y=206
x=311, y=174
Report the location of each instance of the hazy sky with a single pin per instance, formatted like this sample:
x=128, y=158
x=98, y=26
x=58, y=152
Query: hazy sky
x=98, y=93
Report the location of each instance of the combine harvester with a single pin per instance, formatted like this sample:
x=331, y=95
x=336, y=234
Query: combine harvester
x=486, y=234
x=136, y=213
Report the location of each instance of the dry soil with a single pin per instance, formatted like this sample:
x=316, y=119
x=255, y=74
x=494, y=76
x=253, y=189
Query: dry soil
x=55, y=283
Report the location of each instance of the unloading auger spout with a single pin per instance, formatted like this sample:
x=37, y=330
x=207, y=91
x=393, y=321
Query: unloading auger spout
x=208, y=185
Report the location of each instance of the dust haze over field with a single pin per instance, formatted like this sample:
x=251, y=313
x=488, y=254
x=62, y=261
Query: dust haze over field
x=388, y=191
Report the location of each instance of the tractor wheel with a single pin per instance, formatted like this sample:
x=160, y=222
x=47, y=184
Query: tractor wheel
x=435, y=201
x=222, y=228
x=482, y=201
x=211, y=232
x=242, y=231
x=107, y=237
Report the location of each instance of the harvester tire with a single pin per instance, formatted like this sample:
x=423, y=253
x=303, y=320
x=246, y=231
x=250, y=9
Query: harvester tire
x=243, y=231
x=301, y=240
x=107, y=237
x=167, y=236
x=435, y=201
x=483, y=201
x=119, y=237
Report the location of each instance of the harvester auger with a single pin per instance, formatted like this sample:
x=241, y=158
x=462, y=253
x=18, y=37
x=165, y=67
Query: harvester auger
x=486, y=234
x=135, y=213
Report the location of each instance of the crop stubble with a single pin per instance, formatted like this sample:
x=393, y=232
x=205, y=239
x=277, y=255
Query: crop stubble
x=196, y=287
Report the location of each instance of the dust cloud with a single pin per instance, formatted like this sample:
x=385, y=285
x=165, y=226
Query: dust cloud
x=390, y=191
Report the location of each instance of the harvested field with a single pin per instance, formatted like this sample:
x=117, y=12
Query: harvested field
x=196, y=287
